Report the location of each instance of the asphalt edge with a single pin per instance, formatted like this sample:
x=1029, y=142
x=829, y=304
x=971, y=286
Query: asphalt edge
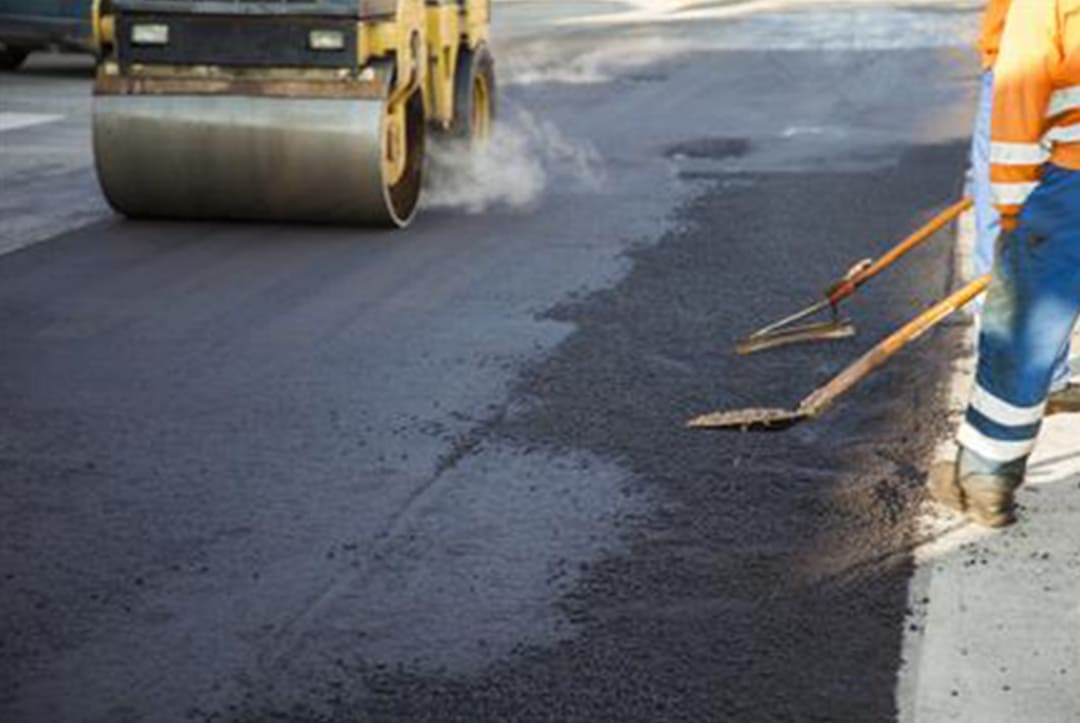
x=934, y=523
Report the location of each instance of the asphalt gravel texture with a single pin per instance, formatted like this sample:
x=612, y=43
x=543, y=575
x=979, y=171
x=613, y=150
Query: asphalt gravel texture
x=255, y=473
x=768, y=582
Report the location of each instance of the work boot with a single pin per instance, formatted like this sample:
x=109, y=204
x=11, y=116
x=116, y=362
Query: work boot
x=944, y=486
x=988, y=499
x=981, y=489
x=1065, y=400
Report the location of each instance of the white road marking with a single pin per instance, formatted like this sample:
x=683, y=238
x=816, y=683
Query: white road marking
x=11, y=121
x=809, y=24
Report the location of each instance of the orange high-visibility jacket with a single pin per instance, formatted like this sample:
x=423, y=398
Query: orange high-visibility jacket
x=1036, y=99
x=993, y=25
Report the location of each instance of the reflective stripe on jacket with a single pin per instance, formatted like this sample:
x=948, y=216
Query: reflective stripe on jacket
x=1036, y=99
x=992, y=26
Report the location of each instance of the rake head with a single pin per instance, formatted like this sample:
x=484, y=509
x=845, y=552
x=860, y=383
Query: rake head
x=746, y=420
x=823, y=331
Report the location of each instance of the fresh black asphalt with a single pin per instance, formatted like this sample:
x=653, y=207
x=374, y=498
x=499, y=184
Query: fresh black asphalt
x=254, y=473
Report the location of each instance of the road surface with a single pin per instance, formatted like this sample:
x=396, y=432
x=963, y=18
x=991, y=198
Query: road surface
x=254, y=472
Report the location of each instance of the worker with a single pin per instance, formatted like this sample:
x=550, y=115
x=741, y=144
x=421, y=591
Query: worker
x=1034, y=298
x=1064, y=394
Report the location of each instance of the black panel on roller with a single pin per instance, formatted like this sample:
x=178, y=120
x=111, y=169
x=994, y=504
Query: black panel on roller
x=237, y=41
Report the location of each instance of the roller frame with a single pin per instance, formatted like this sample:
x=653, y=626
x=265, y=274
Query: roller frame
x=272, y=143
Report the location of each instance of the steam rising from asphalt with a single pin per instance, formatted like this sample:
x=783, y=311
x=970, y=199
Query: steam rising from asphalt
x=524, y=157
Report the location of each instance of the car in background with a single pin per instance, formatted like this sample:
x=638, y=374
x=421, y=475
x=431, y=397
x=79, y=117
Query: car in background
x=29, y=25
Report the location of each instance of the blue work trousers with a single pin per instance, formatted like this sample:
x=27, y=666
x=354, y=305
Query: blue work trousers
x=987, y=218
x=1030, y=311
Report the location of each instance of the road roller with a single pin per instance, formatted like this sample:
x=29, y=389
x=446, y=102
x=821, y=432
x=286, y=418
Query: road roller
x=284, y=110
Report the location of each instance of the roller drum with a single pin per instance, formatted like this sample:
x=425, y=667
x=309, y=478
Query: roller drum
x=234, y=157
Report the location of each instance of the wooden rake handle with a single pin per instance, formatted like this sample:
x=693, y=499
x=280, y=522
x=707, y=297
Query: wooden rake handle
x=848, y=286
x=824, y=397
